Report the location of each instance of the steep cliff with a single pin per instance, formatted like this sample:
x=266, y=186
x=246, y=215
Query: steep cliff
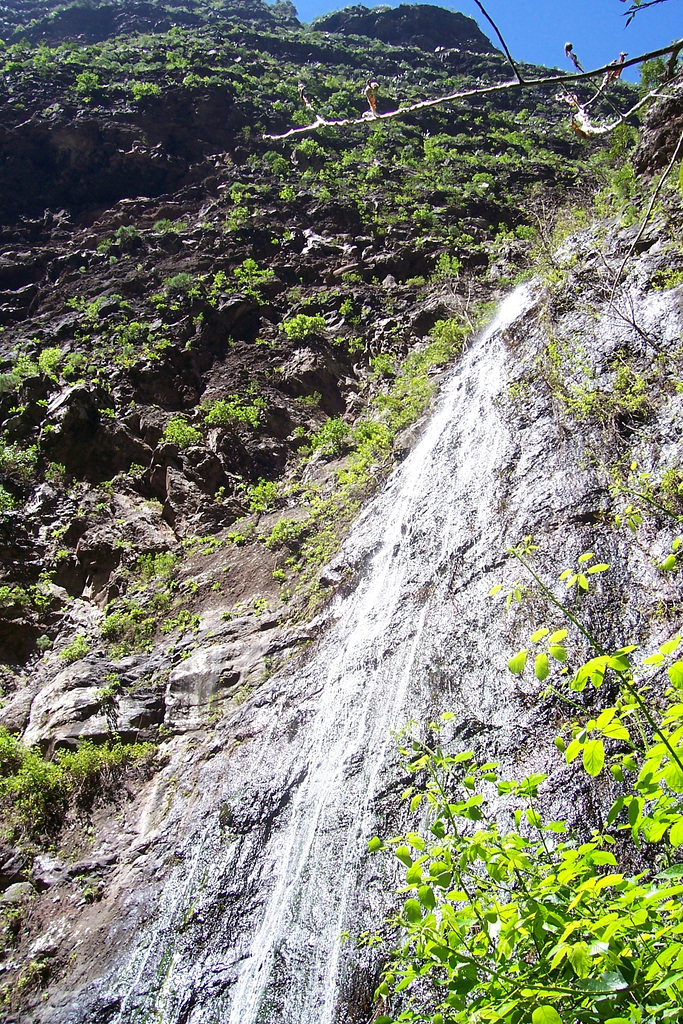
x=216, y=348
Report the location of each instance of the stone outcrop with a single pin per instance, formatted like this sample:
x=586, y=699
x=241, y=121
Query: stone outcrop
x=422, y=25
x=661, y=132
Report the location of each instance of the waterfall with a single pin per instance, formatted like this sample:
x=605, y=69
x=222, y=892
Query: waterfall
x=248, y=927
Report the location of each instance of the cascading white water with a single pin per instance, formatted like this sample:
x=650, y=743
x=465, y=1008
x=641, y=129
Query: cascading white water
x=304, y=787
x=365, y=686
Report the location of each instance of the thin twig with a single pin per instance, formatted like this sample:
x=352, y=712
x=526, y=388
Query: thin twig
x=502, y=41
x=648, y=212
x=485, y=91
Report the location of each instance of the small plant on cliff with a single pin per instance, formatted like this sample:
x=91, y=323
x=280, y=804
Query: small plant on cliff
x=227, y=412
x=141, y=90
x=87, y=83
x=77, y=649
x=286, y=533
x=302, y=326
x=262, y=495
x=332, y=437
x=179, y=432
x=249, y=276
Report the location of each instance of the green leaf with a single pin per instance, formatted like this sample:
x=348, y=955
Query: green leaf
x=675, y=673
x=374, y=844
x=516, y=664
x=605, y=717
x=582, y=581
x=594, y=757
x=580, y=960
x=668, y=564
x=412, y=911
x=573, y=751
x=546, y=1015
x=635, y=809
x=416, y=801
x=676, y=833
x=671, y=645
x=610, y=981
x=586, y=557
x=557, y=636
x=558, y=652
x=494, y=590
x=675, y=871
x=403, y=854
x=541, y=667
x=674, y=776
x=427, y=898
x=414, y=875
x=616, y=731
x=603, y=567
x=538, y=635
x=603, y=857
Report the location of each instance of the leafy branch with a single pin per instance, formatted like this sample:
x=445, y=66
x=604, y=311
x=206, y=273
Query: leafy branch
x=535, y=922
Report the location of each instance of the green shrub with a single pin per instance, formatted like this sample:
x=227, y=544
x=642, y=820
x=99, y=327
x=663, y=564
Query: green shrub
x=332, y=437
x=179, y=432
x=226, y=412
x=451, y=335
x=142, y=89
x=164, y=226
x=49, y=361
x=286, y=532
x=86, y=84
x=17, y=461
x=262, y=495
x=249, y=276
x=182, y=284
x=668, y=278
x=23, y=368
x=7, y=502
x=129, y=628
x=36, y=794
x=77, y=649
x=507, y=915
x=384, y=365
x=153, y=567
x=302, y=326
x=447, y=267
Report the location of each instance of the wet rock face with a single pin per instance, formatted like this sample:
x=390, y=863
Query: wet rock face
x=253, y=853
x=409, y=25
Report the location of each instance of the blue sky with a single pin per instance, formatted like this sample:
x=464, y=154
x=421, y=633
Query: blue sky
x=536, y=30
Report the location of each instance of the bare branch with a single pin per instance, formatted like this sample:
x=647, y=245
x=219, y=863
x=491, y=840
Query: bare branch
x=485, y=91
x=502, y=41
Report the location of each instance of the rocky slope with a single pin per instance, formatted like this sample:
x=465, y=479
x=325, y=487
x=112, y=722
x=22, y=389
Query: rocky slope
x=215, y=347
